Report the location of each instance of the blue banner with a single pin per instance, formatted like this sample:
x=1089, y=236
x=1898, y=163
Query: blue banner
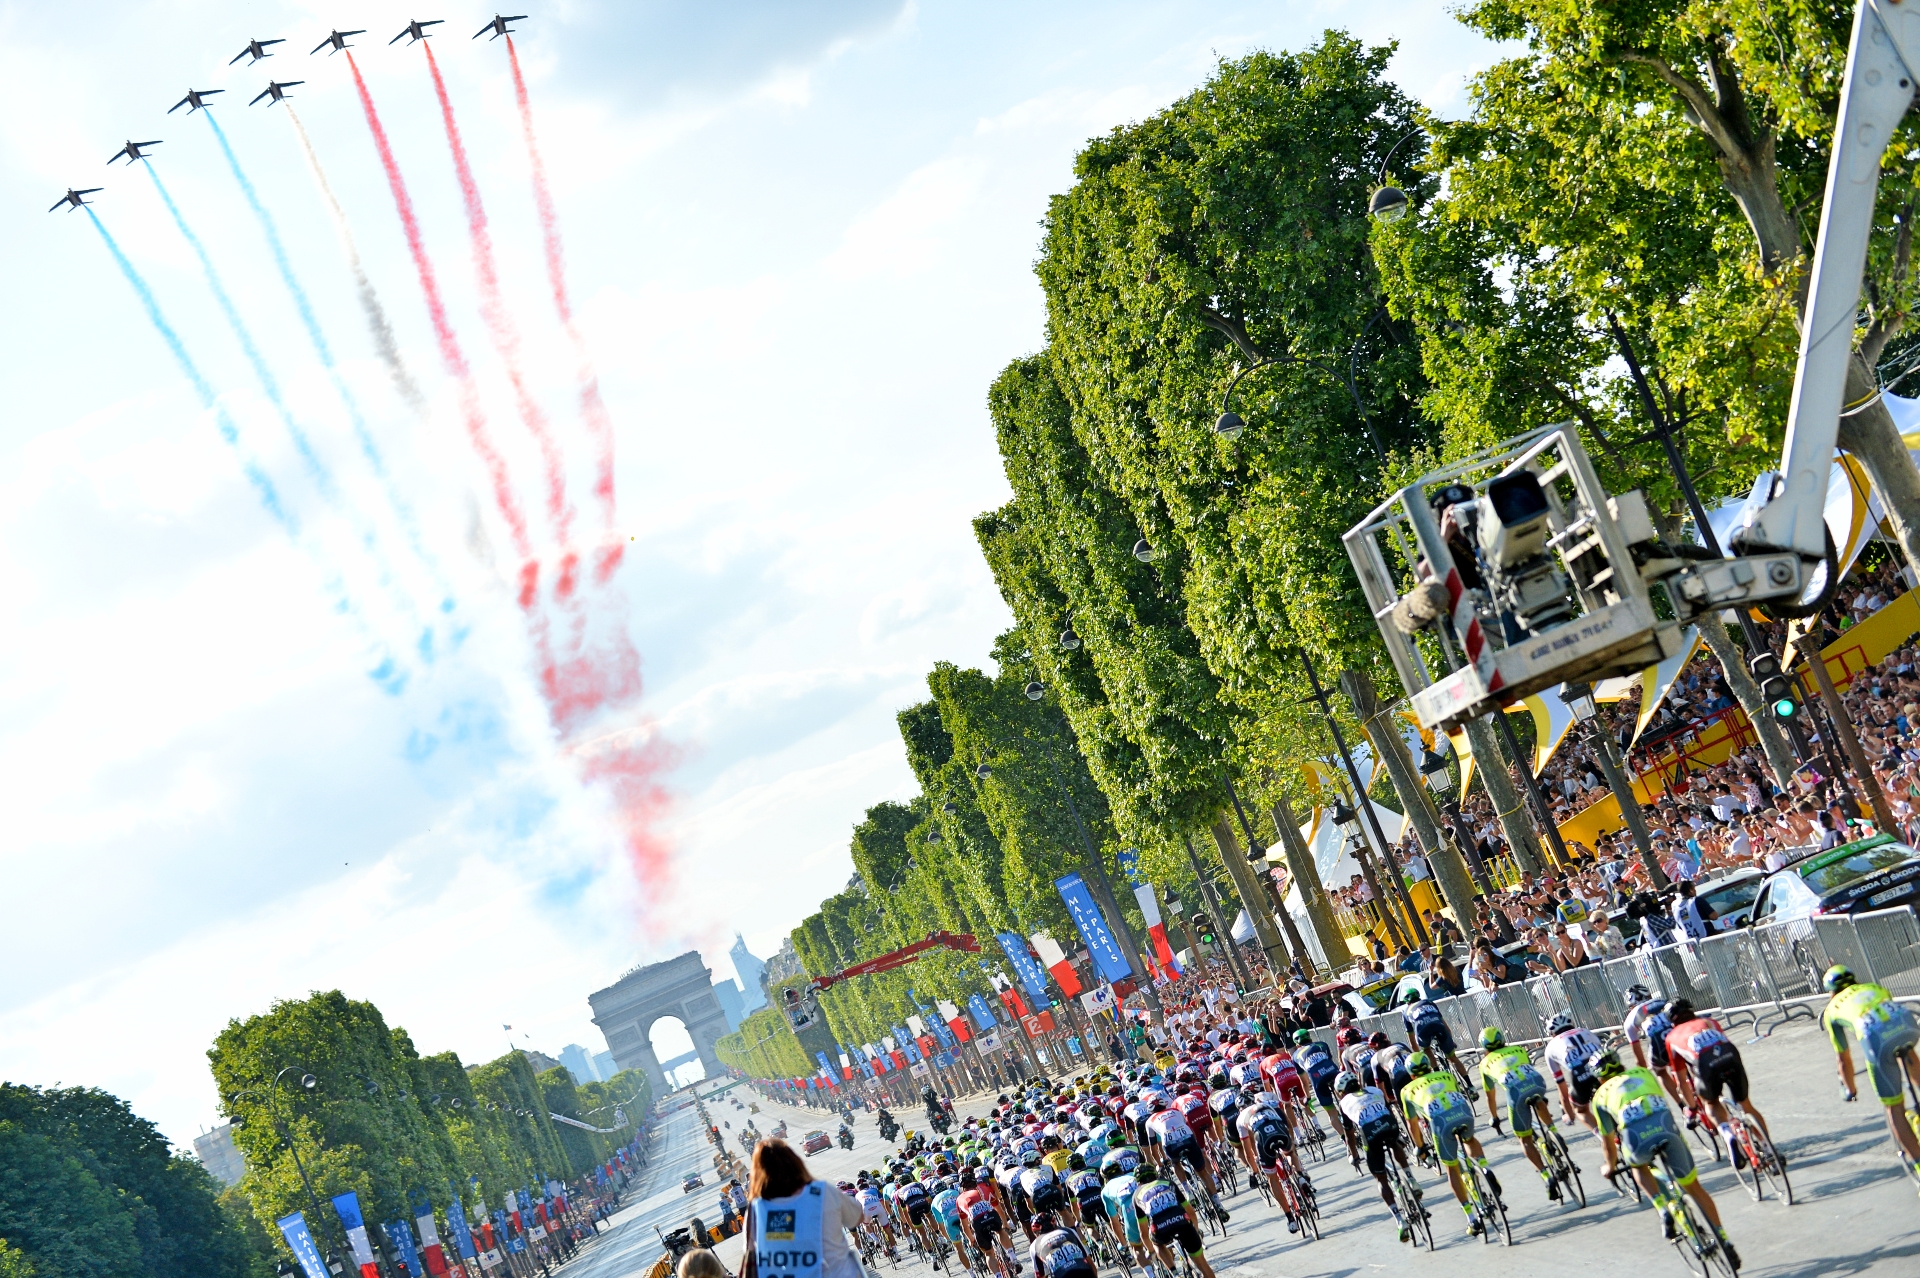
x=982, y=1014
x=400, y=1238
x=300, y=1242
x=502, y=1227
x=907, y=1045
x=1032, y=979
x=457, y=1221
x=1129, y=859
x=1105, y=951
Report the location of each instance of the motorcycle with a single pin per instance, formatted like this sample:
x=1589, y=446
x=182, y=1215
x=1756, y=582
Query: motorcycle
x=845, y=1137
x=889, y=1128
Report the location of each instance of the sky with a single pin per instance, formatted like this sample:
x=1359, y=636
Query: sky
x=272, y=713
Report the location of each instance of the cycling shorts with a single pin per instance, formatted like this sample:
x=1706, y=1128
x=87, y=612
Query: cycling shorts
x=1178, y=1229
x=1091, y=1203
x=1434, y=1034
x=953, y=1227
x=1451, y=1123
x=1294, y=1084
x=1323, y=1085
x=1882, y=1048
x=985, y=1226
x=1645, y=1139
x=919, y=1211
x=1720, y=1069
x=1380, y=1139
x=1583, y=1088
x=1523, y=1089
x=1048, y=1197
x=1189, y=1152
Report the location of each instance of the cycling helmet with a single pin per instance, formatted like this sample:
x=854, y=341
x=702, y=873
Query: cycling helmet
x=1491, y=1038
x=1159, y=1101
x=1838, y=977
x=1217, y=1081
x=1411, y=997
x=1560, y=1024
x=1607, y=1065
x=1418, y=1064
x=1045, y=1222
x=1680, y=1011
x=1345, y=1084
x=1638, y=993
x=1076, y=1163
x=845, y=1188
x=1347, y=1037
x=1030, y=1159
x=1302, y=1037
x=967, y=1180
x=1145, y=1174
x=1377, y=1040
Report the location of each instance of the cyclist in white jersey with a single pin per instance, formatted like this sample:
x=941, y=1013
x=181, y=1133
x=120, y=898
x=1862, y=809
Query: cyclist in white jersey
x=1167, y=1131
x=1570, y=1055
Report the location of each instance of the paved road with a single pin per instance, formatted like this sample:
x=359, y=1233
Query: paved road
x=1854, y=1211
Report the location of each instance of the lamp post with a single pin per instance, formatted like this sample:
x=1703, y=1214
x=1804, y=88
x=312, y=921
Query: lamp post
x=308, y=1083
x=1439, y=780
x=1035, y=692
x=1210, y=897
x=1257, y=855
x=1586, y=712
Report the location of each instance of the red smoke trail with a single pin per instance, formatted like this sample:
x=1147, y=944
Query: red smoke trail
x=506, y=338
x=631, y=773
x=451, y=354
x=592, y=408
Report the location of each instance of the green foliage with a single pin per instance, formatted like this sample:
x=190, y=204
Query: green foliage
x=90, y=1190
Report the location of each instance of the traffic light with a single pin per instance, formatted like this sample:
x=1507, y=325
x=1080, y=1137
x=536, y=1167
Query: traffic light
x=1203, y=929
x=1775, y=688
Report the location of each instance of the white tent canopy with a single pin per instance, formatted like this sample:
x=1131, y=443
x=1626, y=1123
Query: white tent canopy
x=1335, y=863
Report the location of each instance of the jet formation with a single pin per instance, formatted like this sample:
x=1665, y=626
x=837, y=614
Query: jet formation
x=276, y=90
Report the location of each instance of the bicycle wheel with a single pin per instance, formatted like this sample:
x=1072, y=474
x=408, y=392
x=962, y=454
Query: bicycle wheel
x=1694, y=1241
x=1705, y=1134
x=1497, y=1211
x=1626, y=1184
x=1771, y=1165
x=1571, y=1189
x=1746, y=1165
x=1309, y=1212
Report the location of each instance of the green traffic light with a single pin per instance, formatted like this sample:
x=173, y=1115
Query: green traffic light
x=1785, y=708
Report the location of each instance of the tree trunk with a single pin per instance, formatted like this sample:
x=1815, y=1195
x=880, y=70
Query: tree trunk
x=1491, y=766
x=1447, y=863
x=1871, y=435
x=1264, y=929
x=1210, y=902
x=1772, y=740
x=1621, y=784
x=1313, y=894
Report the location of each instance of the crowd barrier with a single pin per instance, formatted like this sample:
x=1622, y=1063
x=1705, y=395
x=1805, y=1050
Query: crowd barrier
x=1760, y=976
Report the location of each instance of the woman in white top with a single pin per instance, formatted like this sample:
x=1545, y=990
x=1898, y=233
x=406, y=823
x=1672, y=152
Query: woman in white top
x=796, y=1225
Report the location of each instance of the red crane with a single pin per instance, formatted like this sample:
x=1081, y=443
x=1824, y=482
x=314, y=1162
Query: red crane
x=961, y=941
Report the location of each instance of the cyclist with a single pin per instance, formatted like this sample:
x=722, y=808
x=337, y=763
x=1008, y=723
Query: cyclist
x=1433, y=1101
x=1265, y=1134
x=878, y=1224
x=1509, y=1071
x=917, y=1203
x=1041, y=1190
x=1646, y=1027
x=1570, y=1052
x=1388, y=1068
x=1083, y=1192
x=1053, y=1154
x=946, y=1210
x=1635, y=1125
x=1191, y=1100
x=1287, y=1083
x=983, y=1218
x=1363, y=1110
x=1117, y=1196
x=1886, y=1033
x=1059, y=1251
x=1713, y=1066
x=1427, y=1030
x=1167, y=1218
x=1168, y=1133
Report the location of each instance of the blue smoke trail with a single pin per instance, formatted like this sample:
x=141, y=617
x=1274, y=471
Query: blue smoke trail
x=322, y=477
x=368, y=448
x=387, y=673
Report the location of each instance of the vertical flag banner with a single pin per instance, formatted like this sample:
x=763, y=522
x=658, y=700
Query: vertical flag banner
x=400, y=1238
x=1057, y=966
x=1024, y=967
x=1129, y=859
x=1156, y=927
x=1107, y=956
x=347, y=1206
x=918, y=1026
x=300, y=1242
x=457, y=1224
x=431, y=1253
x=982, y=1014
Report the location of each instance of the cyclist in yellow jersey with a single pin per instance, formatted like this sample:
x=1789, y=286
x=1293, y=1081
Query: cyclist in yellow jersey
x=1887, y=1034
x=1630, y=1112
x=1508, y=1071
x=1053, y=1155
x=1433, y=1101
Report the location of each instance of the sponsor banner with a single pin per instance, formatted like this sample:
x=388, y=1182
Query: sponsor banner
x=1108, y=958
x=1021, y=960
x=982, y=1014
x=990, y=1041
x=1100, y=1000
x=920, y=1069
x=300, y=1242
x=1037, y=1024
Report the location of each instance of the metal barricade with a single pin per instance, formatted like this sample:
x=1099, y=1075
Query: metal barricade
x=1889, y=942
x=1793, y=956
x=1840, y=943
x=1513, y=1011
x=1737, y=976
x=1591, y=1001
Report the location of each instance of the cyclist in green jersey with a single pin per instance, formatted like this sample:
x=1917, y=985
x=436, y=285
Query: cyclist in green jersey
x=1630, y=1112
x=1887, y=1034
x=1433, y=1101
x=1509, y=1071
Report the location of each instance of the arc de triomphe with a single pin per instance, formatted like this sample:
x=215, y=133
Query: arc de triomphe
x=681, y=987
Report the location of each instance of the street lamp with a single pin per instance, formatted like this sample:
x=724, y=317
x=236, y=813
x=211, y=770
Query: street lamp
x=1069, y=640
x=1389, y=204
x=933, y=834
x=982, y=771
x=1143, y=551
x=1579, y=699
x=1035, y=690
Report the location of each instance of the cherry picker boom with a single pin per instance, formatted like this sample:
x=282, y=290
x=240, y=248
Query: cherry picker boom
x=800, y=998
x=1520, y=572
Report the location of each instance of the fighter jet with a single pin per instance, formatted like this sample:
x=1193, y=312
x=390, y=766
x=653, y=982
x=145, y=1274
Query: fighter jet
x=499, y=26
x=72, y=198
x=258, y=48
x=132, y=151
x=277, y=90
x=418, y=30
x=194, y=101
x=338, y=40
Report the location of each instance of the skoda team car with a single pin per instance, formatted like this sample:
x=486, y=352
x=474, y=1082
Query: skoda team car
x=817, y=1141
x=1869, y=874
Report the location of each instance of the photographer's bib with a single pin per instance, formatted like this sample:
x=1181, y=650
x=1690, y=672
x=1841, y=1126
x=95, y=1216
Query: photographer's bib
x=787, y=1236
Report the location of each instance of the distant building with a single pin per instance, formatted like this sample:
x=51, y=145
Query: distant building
x=783, y=966
x=579, y=1064
x=732, y=1003
x=603, y=1065
x=540, y=1061
x=218, y=1155
x=752, y=973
